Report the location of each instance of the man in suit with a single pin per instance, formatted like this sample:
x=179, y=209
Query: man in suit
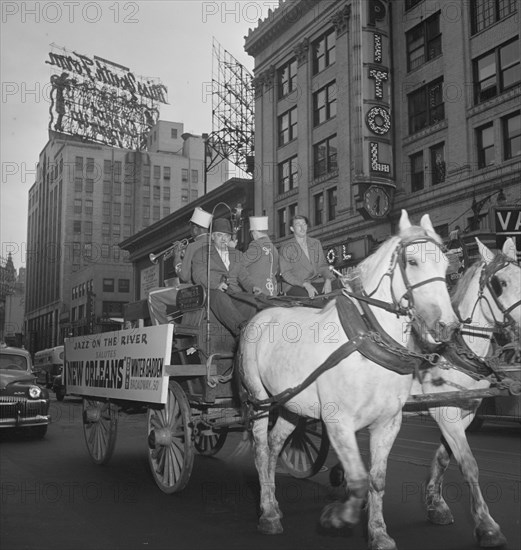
x=225, y=276
x=262, y=258
x=303, y=266
x=160, y=298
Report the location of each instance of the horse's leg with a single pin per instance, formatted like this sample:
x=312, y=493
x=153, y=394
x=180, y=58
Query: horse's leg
x=438, y=511
x=487, y=531
x=269, y=521
x=382, y=436
x=338, y=514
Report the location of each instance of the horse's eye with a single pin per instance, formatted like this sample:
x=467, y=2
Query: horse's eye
x=503, y=284
x=412, y=261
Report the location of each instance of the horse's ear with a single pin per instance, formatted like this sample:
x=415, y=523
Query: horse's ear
x=509, y=249
x=486, y=254
x=404, y=221
x=426, y=223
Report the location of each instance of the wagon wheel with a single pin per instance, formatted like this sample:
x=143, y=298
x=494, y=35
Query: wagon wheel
x=170, y=449
x=208, y=441
x=100, y=422
x=306, y=449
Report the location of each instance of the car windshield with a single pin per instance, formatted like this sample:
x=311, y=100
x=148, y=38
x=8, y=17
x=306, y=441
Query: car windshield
x=12, y=362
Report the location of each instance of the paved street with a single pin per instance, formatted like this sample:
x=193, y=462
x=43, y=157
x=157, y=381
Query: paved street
x=54, y=497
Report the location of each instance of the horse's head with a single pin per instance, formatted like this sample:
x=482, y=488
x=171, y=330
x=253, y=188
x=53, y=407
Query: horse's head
x=422, y=289
x=500, y=283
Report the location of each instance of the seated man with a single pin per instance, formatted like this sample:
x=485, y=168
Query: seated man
x=227, y=278
x=160, y=298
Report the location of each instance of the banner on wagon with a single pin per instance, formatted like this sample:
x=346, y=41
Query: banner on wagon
x=124, y=364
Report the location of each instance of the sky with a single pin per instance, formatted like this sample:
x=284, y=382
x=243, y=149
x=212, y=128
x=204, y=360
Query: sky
x=168, y=39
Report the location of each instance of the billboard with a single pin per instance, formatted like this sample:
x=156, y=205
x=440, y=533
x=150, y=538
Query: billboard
x=102, y=101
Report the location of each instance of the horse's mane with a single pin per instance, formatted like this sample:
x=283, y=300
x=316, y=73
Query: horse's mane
x=462, y=285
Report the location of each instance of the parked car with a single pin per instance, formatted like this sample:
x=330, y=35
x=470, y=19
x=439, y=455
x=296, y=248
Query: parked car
x=23, y=404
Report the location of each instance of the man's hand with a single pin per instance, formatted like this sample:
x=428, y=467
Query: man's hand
x=222, y=286
x=327, y=286
x=311, y=290
x=256, y=290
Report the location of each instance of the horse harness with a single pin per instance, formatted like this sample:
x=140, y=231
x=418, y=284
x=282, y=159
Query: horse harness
x=363, y=332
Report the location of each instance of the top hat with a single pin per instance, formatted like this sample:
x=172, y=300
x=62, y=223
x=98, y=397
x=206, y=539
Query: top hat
x=222, y=225
x=201, y=217
x=259, y=223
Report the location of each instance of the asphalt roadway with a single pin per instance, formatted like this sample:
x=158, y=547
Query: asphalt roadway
x=53, y=497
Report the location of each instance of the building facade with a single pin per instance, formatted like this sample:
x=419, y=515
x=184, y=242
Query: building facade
x=87, y=198
x=364, y=108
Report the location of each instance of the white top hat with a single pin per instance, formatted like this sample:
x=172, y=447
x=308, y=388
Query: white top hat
x=201, y=217
x=259, y=223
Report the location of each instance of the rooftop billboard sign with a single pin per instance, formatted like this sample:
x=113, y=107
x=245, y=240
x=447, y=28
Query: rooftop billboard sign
x=102, y=101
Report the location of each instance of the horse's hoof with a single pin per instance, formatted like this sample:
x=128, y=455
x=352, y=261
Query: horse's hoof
x=382, y=542
x=270, y=526
x=332, y=516
x=490, y=538
x=440, y=515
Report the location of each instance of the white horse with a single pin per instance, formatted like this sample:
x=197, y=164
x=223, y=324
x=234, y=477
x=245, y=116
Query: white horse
x=488, y=297
x=281, y=347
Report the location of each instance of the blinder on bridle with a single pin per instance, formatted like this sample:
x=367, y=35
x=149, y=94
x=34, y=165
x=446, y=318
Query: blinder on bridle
x=401, y=260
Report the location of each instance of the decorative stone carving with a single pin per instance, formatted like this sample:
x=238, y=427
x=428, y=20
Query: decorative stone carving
x=301, y=51
x=340, y=19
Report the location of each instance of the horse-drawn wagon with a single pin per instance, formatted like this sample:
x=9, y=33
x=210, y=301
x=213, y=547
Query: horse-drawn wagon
x=349, y=353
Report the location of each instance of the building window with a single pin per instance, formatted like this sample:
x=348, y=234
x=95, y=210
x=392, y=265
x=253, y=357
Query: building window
x=157, y=172
x=87, y=252
x=331, y=204
x=107, y=187
x=156, y=212
x=184, y=195
x=127, y=210
x=116, y=229
x=87, y=228
x=126, y=231
x=324, y=51
x=116, y=209
x=107, y=169
x=166, y=172
x=123, y=285
x=318, y=202
x=288, y=126
x=166, y=211
x=128, y=189
x=496, y=71
x=117, y=170
x=78, y=185
x=108, y=285
x=512, y=135
x=426, y=106
x=417, y=176
x=324, y=104
x=282, y=222
x=146, y=212
x=487, y=12
x=106, y=208
x=157, y=192
x=438, y=163
x=325, y=157
x=88, y=207
x=105, y=251
x=76, y=226
x=195, y=176
x=411, y=3
x=77, y=206
x=184, y=174
x=423, y=42
x=90, y=164
x=287, y=78
x=78, y=163
x=288, y=175
x=166, y=193
x=485, y=143
x=193, y=194
x=173, y=133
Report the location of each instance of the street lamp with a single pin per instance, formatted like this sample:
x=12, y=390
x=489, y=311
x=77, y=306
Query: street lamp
x=478, y=205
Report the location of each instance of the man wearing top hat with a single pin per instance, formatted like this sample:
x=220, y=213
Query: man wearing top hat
x=227, y=278
x=160, y=298
x=262, y=258
x=199, y=224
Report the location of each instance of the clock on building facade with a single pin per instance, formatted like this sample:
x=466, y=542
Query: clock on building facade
x=376, y=201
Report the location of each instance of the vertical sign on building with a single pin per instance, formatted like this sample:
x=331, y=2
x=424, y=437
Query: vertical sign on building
x=376, y=193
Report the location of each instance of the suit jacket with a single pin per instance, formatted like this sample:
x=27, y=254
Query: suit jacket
x=185, y=274
x=262, y=262
x=237, y=276
x=296, y=268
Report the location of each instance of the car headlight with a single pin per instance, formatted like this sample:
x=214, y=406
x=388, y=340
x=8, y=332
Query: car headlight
x=35, y=392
